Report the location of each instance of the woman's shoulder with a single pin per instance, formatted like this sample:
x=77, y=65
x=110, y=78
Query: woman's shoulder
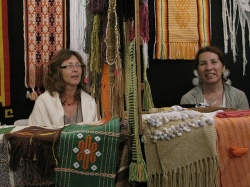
x=232, y=89
x=46, y=96
x=86, y=95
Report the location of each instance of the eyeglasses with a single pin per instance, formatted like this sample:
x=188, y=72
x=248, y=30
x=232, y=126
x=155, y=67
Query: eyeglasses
x=71, y=66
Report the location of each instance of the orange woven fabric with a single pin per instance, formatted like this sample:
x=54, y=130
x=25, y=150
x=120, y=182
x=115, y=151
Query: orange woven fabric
x=233, y=145
x=181, y=28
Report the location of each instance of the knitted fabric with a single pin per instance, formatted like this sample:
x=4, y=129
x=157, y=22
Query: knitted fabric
x=233, y=150
x=181, y=28
x=87, y=155
x=4, y=56
x=187, y=158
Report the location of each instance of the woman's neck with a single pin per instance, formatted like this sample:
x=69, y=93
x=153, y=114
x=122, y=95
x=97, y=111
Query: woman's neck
x=68, y=98
x=212, y=89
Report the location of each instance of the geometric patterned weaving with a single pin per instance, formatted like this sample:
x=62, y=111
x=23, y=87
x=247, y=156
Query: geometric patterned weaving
x=182, y=27
x=87, y=155
x=44, y=32
x=4, y=55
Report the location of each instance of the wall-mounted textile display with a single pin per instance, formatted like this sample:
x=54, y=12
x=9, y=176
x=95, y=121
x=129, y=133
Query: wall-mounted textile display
x=235, y=15
x=181, y=28
x=4, y=55
x=6, y=111
x=44, y=34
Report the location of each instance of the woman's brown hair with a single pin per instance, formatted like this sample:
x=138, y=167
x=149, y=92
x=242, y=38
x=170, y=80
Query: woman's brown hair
x=53, y=81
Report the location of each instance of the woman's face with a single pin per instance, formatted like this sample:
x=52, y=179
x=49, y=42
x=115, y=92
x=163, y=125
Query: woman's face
x=71, y=71
x=210, y=68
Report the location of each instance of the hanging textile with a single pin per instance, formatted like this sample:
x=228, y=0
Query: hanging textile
x=181, y=28
x=137, y=168
x=78, y=30
x=44, y=32
x=235, y=14
x=4, y=55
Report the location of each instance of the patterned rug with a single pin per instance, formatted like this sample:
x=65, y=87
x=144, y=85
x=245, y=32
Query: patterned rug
x=44, y=32
x=181, y=28
x=88, y=155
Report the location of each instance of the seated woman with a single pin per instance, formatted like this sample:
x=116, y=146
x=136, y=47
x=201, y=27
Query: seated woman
x=212, y=89
x=64, y=100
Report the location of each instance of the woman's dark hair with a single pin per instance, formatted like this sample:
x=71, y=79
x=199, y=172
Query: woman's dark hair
x=53, y=82
x=212, y=49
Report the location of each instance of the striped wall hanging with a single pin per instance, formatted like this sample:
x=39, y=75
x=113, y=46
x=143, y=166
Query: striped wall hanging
x=181, y=28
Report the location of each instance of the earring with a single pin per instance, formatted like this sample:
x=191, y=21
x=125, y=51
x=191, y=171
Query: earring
x=225, y=75
x=196, y=80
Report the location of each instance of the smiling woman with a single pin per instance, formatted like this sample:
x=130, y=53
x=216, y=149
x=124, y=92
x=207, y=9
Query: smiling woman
x=64, y=100
x=212, y=89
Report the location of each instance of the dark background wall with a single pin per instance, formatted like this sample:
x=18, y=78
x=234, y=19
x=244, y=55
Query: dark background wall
x=169, y=79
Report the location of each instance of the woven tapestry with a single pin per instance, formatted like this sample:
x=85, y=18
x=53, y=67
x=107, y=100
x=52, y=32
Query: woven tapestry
x=88, y=155
x=44, y=32
x=181, y=28
x=4, y=55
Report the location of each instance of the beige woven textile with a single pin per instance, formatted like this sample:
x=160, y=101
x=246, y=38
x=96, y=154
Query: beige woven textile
x=188, y=160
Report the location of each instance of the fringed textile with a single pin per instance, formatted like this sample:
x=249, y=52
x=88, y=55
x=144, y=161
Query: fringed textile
x=137, y=168
x=147, y=95
x=122, y=174
x=179, y=27
x=32, y=149
x=235, y=14
x=233, y=150
x=178, y=154
x=87, y=155
x=7, y=177
x=44, y=33
x=4, y=55
x=112, y=35
x=95, y=57
x=98, y=7
x=78, y=24
x=105, y=95
x=144, y=21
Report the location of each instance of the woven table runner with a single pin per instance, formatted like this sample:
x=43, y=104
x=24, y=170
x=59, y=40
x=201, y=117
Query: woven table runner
x=87, y=155
x=181, y=28
x=44, y=32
